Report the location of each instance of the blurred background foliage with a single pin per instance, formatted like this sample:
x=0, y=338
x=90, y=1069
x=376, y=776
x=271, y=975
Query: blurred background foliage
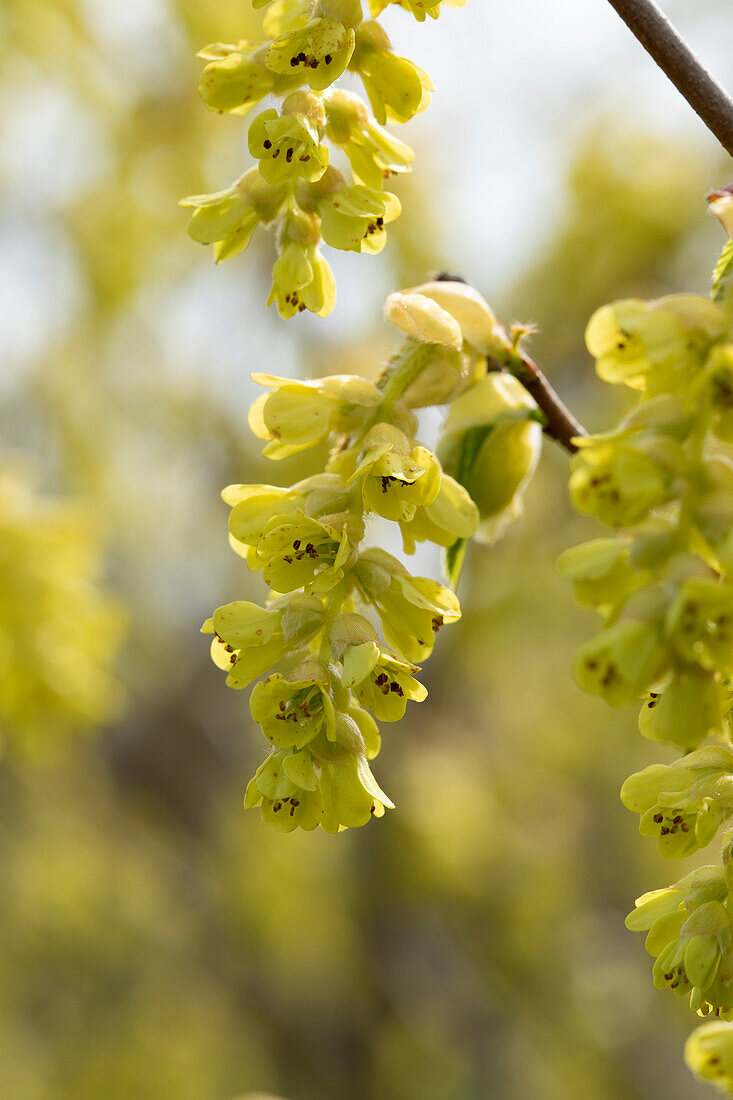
x=157, y=942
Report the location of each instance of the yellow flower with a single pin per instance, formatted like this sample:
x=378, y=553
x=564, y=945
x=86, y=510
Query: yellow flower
x=397, y=89
x=297, y=415
x=397, y=478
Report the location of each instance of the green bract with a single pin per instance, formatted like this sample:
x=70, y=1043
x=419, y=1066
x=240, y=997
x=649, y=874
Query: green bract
x=456, y=330
x=491, y=445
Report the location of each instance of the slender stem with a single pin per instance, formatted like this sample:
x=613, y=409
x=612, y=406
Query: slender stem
x=560, y=424
x=675, y=58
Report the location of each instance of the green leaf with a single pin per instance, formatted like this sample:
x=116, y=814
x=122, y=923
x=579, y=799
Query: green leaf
x=454, y=558
x=723, y=274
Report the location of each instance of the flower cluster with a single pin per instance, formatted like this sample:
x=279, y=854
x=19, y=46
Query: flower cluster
x=59, y=630
x=664, y=587
x=295, y=187
x=332, y=675
x=683, y=804
x=662, y=584
x=689, y=934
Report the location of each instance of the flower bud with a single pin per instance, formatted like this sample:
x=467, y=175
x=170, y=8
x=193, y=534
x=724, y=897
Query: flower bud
x=720, y=203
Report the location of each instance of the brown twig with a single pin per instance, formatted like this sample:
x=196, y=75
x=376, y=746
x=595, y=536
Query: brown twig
x=559, y=422
x=675, y=58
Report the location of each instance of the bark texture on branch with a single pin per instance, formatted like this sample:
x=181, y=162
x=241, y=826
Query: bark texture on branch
x=675, y=58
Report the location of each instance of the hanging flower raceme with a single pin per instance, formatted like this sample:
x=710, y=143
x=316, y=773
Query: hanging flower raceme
x=663, y=587
x=330, y=675
x=690, y=936
x=311, y=45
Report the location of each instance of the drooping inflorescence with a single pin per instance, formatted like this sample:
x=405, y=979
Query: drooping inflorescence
x=294, y=186
x=346, y=626
x=664, y=587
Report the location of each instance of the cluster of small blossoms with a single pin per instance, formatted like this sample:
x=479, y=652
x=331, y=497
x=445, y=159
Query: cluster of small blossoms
x=59, y=630
x=689, y=934
x=294, y=187
x=664, y=587
x=333, y=675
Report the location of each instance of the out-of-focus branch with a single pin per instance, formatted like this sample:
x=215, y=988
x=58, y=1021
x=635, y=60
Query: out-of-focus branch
x=675, y=58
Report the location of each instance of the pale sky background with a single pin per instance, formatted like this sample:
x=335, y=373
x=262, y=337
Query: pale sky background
x=516, y=84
